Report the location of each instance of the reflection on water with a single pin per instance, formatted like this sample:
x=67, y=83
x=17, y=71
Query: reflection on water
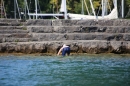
x=90, y=70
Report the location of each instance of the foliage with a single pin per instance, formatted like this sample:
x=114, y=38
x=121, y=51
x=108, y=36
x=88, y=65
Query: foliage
x=53, y=6
x=127, y=8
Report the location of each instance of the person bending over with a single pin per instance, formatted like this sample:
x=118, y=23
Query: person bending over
x=65, y=50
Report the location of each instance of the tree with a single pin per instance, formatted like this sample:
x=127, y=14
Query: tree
x=127, y=7
x=49, y=6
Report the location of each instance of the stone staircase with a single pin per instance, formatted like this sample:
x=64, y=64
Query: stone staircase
x=61, y=30
x=83, y=36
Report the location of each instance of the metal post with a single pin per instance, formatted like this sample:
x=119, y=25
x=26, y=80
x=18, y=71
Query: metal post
x=103, y=8
x=14, y=9
x=36, y=8
x=92, y=8
x=1, y=8
x=18, y=9
x=65, y=8
x=122, y=8
x=53, y=8
x=82, y=8
x=86, y=7
x=4, y=9
x=25, y=9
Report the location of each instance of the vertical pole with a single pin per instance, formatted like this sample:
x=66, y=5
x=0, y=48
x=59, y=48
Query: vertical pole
x=82, y=8
x=86, y=7
x=4, y=9
x=53, y=8
x=14, y=9
x=92, y=8
x=36, y=8
x=18, y=9
x=25, y=9
x=103, y=8
x=65, y=8
x=122, y=8
x=1, y=8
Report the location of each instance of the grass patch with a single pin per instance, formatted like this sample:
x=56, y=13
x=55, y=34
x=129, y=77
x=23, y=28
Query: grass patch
x=24, y=28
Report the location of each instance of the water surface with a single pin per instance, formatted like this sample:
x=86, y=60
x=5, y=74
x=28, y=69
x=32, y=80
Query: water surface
x=89, y=70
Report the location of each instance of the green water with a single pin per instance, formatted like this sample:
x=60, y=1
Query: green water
x=89, y=70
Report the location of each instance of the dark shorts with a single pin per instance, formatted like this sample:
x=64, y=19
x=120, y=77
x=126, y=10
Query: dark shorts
x=66, y=50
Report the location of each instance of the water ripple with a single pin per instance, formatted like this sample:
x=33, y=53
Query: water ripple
x=88, y=70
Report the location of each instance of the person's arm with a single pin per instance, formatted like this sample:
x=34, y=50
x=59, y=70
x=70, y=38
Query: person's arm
x=60, y=51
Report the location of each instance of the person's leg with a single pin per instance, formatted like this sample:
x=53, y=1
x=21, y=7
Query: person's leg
x=68, y=51
x=63, y=52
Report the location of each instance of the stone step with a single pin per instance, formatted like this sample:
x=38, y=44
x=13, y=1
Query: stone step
x=80, y=36
x=12, y=39
x=117, y=22
x=78, y=29
x=13, y=31
x=41, y=22
x=13, y=28
x=15, y=35
x=10, y=22
x=81, y=46
x=64, y=29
